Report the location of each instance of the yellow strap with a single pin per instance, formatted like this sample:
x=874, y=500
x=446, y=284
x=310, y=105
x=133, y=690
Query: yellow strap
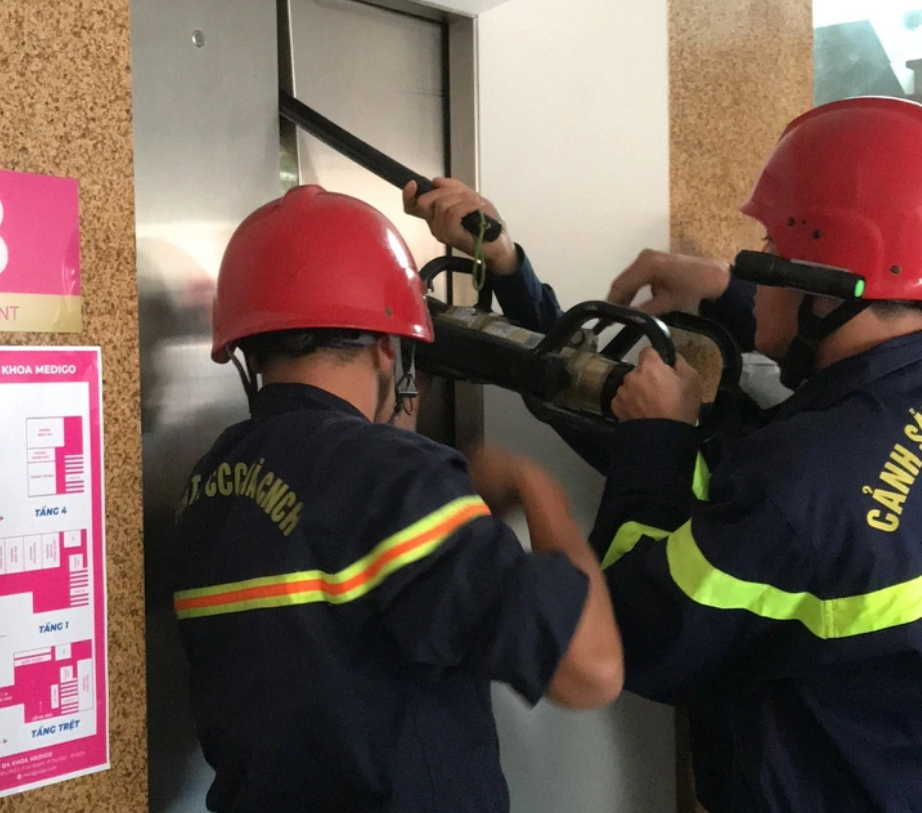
x=479, y=269
x=305, y=587
x=825, y=618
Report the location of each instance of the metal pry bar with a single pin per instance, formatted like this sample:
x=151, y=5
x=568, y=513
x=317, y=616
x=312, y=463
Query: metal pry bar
x=370, y=158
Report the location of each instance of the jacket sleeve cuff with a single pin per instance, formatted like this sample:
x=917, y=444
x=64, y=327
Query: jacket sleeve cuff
x=523, y=298
x=733, y=310
x=655, y=456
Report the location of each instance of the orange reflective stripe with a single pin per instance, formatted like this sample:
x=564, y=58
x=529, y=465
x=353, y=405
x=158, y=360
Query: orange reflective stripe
x=410, y=545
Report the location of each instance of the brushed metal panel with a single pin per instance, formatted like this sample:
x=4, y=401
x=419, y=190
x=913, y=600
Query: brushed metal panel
x=205, y=80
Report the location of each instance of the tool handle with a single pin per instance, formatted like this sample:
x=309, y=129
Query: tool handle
x=463, y=266
x=471, y=221
x=370, y=158
x=607, y=313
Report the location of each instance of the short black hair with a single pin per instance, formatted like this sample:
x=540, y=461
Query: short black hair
x=263, y=348
x=890, y=309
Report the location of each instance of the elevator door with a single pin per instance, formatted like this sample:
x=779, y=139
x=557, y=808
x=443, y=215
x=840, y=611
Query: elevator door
x=382, y=75
x=205, y=101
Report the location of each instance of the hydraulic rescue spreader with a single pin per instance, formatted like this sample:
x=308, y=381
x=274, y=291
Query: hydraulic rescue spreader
x=564, y=378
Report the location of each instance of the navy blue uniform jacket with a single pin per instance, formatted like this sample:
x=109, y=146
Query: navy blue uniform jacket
x=780, y=600
x=345, y=600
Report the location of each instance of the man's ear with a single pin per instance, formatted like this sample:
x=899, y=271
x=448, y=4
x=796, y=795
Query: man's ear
x=384, y=353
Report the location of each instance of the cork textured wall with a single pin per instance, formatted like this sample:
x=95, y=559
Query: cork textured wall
x=66, y=110
x=739, y=71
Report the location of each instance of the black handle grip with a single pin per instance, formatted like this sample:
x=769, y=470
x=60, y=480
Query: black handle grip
x=824, y=280
x=607, y=313
x=370, y=158
x=462, y=265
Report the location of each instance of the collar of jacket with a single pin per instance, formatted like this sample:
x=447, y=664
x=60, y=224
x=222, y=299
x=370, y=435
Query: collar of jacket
x=836, y=381
x=277, y=399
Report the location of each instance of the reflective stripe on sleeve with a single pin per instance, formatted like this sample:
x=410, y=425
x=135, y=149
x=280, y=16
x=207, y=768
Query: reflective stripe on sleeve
x=627, y=538
x=311, y=586
x=701, y=479
x=631, y=533
x=825, y=618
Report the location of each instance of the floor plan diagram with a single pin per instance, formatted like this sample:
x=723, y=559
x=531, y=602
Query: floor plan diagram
x=52, y=603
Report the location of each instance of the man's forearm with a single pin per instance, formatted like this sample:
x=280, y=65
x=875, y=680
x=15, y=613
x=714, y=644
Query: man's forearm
x=592, y=671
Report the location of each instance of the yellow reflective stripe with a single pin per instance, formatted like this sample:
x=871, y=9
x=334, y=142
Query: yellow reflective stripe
x=701, y=479
x=631, y=533
x=310, y=586
x=825, y=618
x=627, y=538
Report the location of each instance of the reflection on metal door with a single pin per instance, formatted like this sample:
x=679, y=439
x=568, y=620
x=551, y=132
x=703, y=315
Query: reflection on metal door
x=381, y=75
x=206, y=154
x=205, y=88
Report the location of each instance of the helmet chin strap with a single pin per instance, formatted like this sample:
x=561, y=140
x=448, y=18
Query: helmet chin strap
x=404, y=375
x=800, y=360
x=247, y=376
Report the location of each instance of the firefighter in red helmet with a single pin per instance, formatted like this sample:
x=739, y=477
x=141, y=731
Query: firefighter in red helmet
x=344, y=594
x=780, y=599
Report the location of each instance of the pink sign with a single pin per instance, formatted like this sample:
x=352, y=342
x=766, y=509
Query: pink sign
x=39, y=253
x=53, y=662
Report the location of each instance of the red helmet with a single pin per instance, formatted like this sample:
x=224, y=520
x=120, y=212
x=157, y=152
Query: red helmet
x=316, y=259
x=843, y=187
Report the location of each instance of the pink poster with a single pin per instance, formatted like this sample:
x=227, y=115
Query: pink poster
x=53, y=676
x=39, y=254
